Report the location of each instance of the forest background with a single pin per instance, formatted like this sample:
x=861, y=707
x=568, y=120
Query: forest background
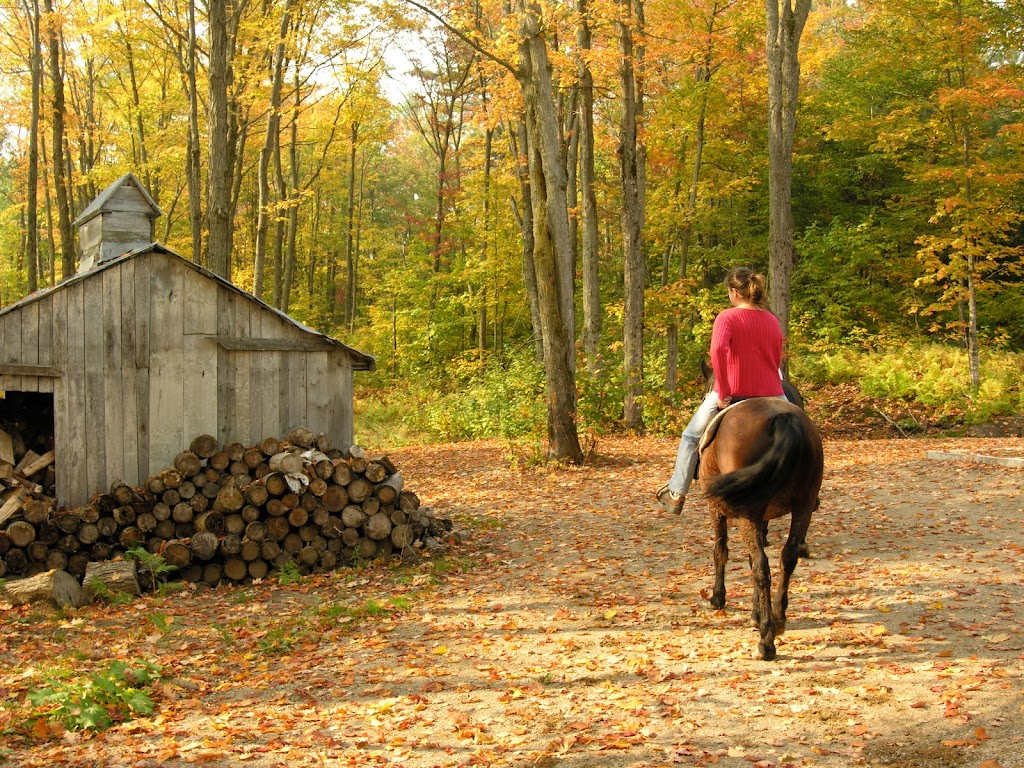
x=393, y=206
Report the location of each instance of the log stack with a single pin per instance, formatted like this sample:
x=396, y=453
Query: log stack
x=234, y=513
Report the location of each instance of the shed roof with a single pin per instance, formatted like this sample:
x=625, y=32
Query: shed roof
x=360, y=360
x=96, y=206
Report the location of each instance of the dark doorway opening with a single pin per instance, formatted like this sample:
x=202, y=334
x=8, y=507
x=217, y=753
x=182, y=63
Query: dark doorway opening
x=27, y=419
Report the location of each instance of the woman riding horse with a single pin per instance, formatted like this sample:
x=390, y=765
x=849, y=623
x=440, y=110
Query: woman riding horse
x=746, y=354
x=765, y=459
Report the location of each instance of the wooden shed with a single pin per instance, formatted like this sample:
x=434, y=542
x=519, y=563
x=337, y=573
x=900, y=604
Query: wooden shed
x=147, y=350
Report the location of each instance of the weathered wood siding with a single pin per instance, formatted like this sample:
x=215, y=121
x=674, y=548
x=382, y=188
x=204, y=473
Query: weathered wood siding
x=147, y=353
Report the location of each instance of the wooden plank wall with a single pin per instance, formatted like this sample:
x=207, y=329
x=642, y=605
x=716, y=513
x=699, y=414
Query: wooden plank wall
x=144, y=374
x=166, y=363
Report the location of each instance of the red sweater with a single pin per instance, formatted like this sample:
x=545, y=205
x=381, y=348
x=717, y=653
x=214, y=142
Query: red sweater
x=746, y=352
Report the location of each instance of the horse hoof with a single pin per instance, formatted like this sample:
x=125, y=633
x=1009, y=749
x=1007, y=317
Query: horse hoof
x=766, y=651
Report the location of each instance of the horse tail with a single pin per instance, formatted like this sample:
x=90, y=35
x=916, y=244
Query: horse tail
x=756, y=484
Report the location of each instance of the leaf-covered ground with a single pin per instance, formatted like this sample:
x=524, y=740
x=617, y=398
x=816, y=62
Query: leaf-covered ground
x=569, y=630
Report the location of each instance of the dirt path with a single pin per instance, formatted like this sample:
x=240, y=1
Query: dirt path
x=572, y=632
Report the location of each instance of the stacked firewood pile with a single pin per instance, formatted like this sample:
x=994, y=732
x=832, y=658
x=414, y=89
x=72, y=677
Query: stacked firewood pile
x=232, y=514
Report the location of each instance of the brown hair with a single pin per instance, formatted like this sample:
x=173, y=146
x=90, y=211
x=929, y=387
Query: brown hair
x=749, y=285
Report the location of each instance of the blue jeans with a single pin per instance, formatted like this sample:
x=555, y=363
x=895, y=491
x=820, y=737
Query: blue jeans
x=686, y=456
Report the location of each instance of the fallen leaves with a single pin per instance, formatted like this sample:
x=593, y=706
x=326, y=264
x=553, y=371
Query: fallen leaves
x=560, y=631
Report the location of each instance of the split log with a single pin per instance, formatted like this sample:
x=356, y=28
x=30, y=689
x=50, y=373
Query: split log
x=212, y=574
x=353, y=516
x=177, y=554
x=67, y=522
x=219, y=461
x=289, y=463
x=37, y=511
x=343, y=474
x=128, y=537
x=235, y=451
x=250, y=551
x=230, y=498
x=236, y=569
x=335, y=498
x=15, y=560
x=204, y=545
x=276, y=528
x=182, y=512
x=21, y=533
x=88, y=533
x=359, y=489
x=389, y=490
x=235, y=524
x=402, y=536
x=301, y=436
x=256, y=494
x=270, y=445
x=211, y=520
x=204, y=446
x=276, y=484
x=124, y=515
x=231, y=545
x=115, y=575
x=37, y=464
x=13, y=504
x=375, y=472
x=58, y=587
x=378, y=526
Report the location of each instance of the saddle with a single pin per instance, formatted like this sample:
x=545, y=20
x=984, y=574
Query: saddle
x=712, y=429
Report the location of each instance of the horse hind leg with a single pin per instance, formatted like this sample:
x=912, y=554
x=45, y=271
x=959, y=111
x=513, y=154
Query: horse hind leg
x=755, y=603
x=788, y=558
x=752, y=532
x=720, y=525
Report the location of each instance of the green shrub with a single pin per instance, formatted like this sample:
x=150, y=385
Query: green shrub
x=97, y=702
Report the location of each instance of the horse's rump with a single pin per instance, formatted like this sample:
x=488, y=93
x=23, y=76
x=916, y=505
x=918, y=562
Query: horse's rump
x=762, y=450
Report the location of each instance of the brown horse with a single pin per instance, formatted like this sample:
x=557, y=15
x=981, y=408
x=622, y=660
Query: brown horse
x=765, y=461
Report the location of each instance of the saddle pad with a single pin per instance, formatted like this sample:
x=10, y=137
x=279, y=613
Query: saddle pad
x=712, y=428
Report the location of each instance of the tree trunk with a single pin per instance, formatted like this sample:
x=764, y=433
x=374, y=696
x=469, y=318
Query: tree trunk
x=270, y=140
x=552, y=254
x=350, y=215
x=193, y=164
x=592, y=320
x=524, y=217
x=32, y=180
x=631, y=164
x=785, y=23
x=220, y=168
x=60, y=183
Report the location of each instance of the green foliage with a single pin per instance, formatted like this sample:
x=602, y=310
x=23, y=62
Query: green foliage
x=289, y=574
x=931, y=375
x=104, y=593
x=472, y=400
x=98, y=701
x=154, y=564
